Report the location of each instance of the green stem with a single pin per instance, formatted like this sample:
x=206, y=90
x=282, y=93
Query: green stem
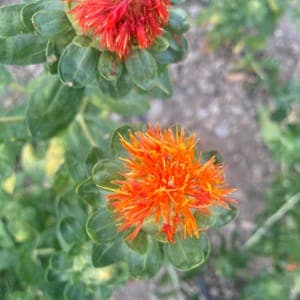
x=83, y=105
x=258, y=70
x=273, y=6
x=12, y=119
x=85, y=129
x=43, y=251
x=257, y=236
x=175, y=282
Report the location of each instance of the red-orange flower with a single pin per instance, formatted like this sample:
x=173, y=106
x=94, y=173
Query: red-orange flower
x=291, y=266
x=121, y=25
x=166, y=183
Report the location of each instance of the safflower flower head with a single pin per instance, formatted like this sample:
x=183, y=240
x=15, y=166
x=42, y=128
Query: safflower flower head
x=166, y=184
x=121, y=25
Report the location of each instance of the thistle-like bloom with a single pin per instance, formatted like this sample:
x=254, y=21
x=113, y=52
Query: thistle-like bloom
x=166, y=184
x=121, y=25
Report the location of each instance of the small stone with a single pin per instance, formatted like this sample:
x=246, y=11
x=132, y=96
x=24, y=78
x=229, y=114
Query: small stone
x=222, y=130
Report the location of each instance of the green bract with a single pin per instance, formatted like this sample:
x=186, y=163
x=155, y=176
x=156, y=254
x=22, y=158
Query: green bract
x=50, y=23
x=186, y=254
x=77, y=65
x=178, y=21
x=144, y=265
x=101, y=227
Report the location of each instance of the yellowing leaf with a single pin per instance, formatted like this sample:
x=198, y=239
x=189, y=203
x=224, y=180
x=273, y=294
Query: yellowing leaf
x=54, y=157
x=8, y=184
x=28, y=157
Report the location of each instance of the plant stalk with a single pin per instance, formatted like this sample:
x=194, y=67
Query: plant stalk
x=12, y=119
x=85, y=130
x=258, y=234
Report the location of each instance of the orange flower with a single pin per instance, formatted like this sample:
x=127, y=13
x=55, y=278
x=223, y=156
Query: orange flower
x=166, y=183
x=121, y=25
x=291, y=266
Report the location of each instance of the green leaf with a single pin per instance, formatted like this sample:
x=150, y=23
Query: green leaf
x=160, y=44
x=59, y=265
x=115, y=89
x=77, y=65
x=224, y=216
x=207, y=155
x=24, y=49
x=13, y=125
x=109, y=67
x=10, y=20
x=48, y=101
x=79, y=143
x=107, y=254
x=140, y=243
x=54, y=49
x=105, y=171
x=52, y=276
x=163, y=87
x=131, y=105
x=279, y=115
x=76, y=164
x=142, y=69
x=52, y=57
x=7, y=161
x=60, y=261
x=20, y=229
x=101, y=227
x=68, y=205
x=7, y=259
x=270, y=131
x=74, y=292
x=177, y=51
x=145, y=265
x=5, y=239
x=189, y=253
x=178, y=20
x=116, y=147
x=30, y=9
x=95, y=154
x=100, y=129
x=50, y=23
x=205, y=221
x=20, y=295
x=70, y=232
x=88, y=191
x=28, y=270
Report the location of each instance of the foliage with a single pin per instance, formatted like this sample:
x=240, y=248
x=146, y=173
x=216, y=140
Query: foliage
x=242, y=25
x=294, y=11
